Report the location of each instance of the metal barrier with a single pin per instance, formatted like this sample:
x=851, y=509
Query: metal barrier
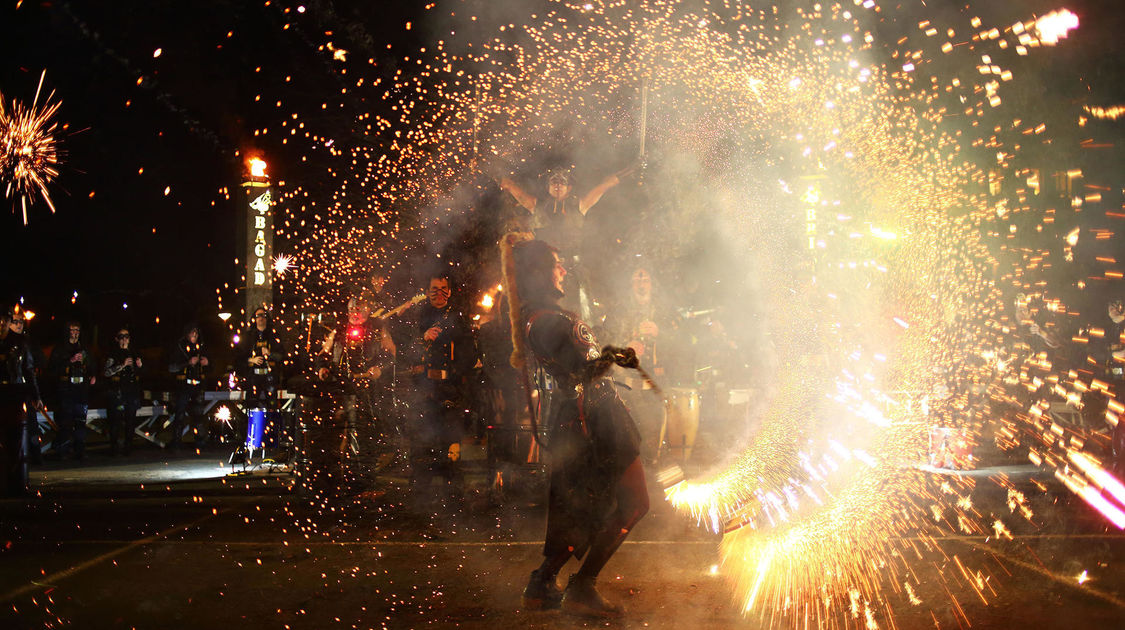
x=157, y=414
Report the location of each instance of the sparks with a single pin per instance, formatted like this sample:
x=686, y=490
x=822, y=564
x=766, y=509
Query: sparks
x=29, y=154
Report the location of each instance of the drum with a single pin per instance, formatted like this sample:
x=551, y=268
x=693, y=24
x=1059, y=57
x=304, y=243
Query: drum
x=681, y=422
x=256, y=428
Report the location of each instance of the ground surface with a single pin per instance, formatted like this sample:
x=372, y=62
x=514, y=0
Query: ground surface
x=169, y=542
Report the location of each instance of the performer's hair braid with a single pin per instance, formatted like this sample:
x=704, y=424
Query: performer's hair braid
x=508, y=243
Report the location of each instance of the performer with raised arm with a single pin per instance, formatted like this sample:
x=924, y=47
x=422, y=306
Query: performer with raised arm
x=559, y=218
x=597, y=482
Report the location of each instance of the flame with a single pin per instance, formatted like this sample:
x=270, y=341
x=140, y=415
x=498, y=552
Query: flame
x=257, y=167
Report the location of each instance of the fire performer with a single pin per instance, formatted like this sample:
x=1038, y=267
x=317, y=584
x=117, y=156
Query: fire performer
x=18, y=391
x=359, y=359
x=559, y=218
x=597, y=482
x=122, y=368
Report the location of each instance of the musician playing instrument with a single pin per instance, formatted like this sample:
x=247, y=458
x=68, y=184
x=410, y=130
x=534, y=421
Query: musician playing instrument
x=647, y=328
x=123, y=366
x=72, y=368
x=444, y=353
x=358, y=358
x=189, y=362
x=18, y=391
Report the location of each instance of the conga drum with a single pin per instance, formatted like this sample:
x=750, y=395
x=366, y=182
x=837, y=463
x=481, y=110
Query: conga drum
x=681, y=422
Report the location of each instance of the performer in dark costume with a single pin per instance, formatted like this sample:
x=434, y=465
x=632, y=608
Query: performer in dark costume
x=260, y=355
x=72, y=368
x=188, y=361
x=357, y=359
x=559, y=219
x=18, y=390
x=444, y=354
x=122, y=368
x=597, y=483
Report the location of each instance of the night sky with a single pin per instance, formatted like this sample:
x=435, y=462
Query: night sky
x=137, y=126
x=118, y=237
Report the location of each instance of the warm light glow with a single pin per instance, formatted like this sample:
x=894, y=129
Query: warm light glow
x=224, y=316
x=282, y=263
x=1055, y=25
x=257, y=167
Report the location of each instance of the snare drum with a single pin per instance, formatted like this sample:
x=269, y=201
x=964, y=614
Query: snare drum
x=681, y=422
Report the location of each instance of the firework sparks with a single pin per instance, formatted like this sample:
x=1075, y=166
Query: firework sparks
x=283, y=263
x=29, y=155
x=1055, y=25
x=880, y=159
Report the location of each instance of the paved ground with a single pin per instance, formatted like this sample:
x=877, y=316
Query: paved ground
x=172, y=544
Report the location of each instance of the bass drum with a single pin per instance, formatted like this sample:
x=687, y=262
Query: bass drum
x=681, y=423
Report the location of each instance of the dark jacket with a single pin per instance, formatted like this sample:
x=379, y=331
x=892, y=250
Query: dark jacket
x=592, y=437
x=17, y=368
x=179, y=362
x=71, y=377
x=356, y=349
x=265, y=343
x=454, y=349
x=122, y=377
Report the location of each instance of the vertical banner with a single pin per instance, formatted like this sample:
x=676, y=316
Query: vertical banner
x=259, y=245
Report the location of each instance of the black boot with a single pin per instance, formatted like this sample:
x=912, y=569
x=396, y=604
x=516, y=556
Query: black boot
x=581, y=598
x=542, y=592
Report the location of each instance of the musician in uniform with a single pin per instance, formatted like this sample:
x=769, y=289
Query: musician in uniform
x=72, y=368
x=18, y=391
x=189, y=363
x=122, y=370
x=597, y=482
x=358, y=359
x=260, y=355
x=648, y=329
x=443, y=354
